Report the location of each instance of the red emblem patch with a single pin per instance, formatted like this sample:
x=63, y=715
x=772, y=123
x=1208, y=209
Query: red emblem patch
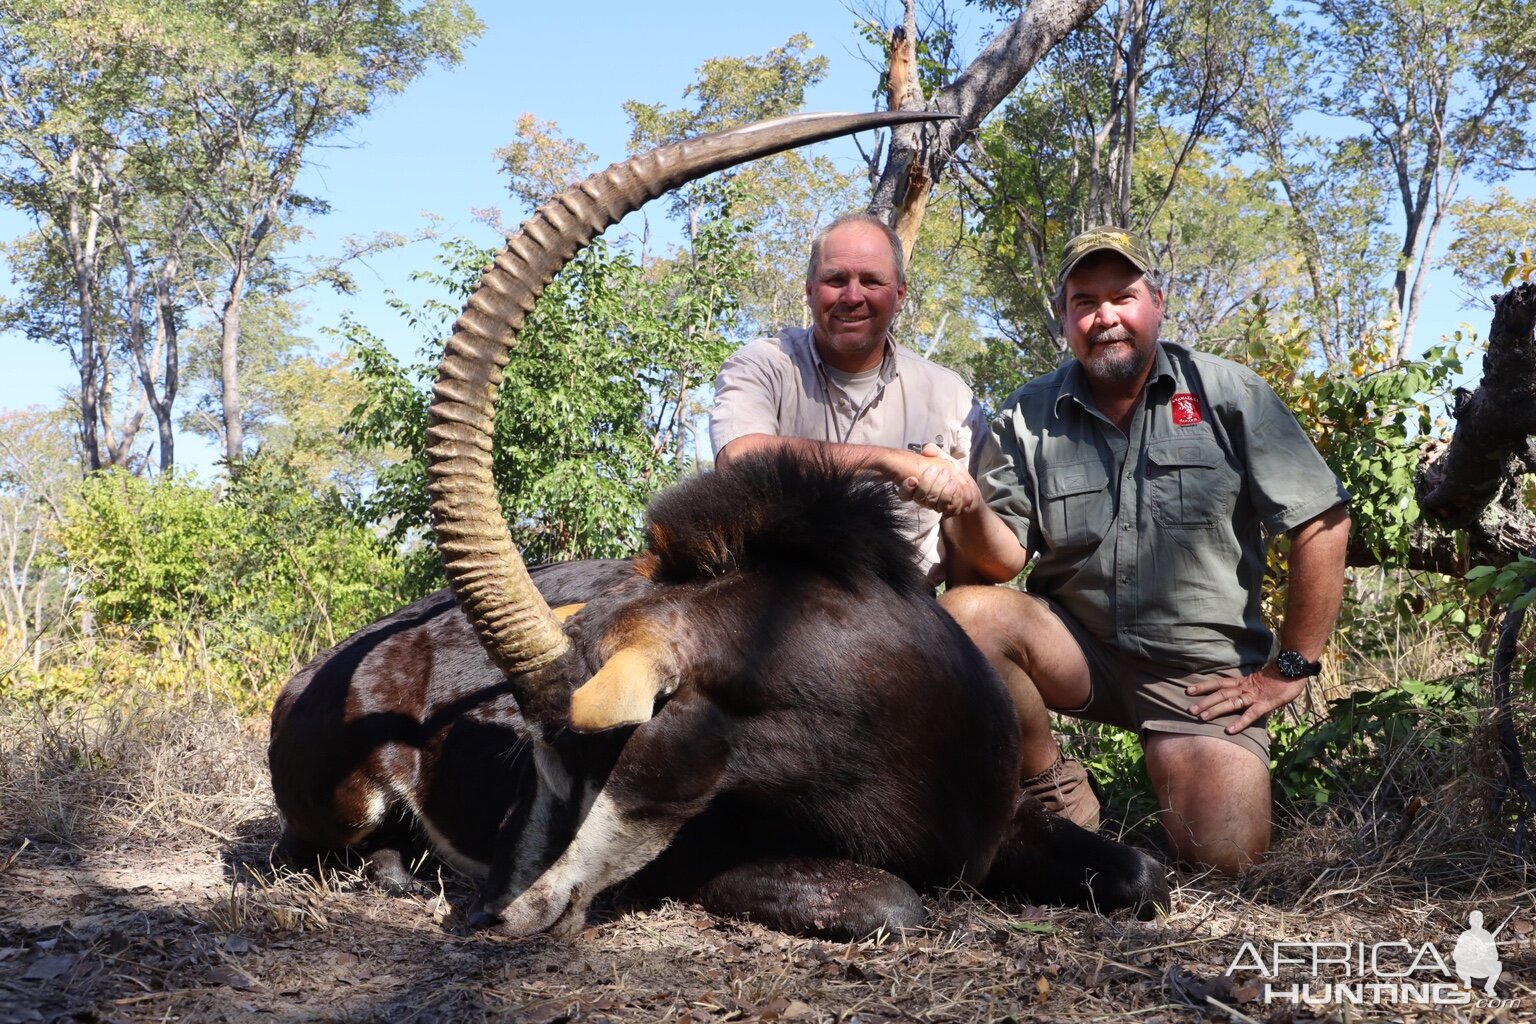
x=1186, y=409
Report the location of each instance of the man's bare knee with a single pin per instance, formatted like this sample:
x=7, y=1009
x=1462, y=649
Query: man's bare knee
x=1215, y=799
x=998, y=619
x=972, y=604
x=1227, y=854
x=1034, y=652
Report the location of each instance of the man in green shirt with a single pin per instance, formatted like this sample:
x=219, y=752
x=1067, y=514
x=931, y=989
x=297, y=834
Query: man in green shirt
x=1144, y=477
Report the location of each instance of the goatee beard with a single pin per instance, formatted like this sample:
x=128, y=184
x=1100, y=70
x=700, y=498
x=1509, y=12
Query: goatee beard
x=1112, y=368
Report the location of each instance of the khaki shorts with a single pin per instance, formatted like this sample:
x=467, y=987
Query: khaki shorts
x=1145, y=697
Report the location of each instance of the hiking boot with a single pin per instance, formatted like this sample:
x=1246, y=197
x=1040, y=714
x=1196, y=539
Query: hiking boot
x=1065, y=789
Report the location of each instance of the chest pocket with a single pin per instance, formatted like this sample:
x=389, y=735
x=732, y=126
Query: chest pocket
x=1075, y=507
x=1189, y=482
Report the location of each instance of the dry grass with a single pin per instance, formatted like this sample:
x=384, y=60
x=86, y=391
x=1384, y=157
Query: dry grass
x=166, y=774
x=134, y=885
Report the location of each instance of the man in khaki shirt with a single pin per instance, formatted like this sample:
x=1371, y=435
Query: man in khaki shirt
x=844, y=389
x=1145, y=478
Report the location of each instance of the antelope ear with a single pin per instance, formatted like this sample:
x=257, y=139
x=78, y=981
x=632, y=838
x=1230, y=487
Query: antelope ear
x=623, y=692
x=565, y=611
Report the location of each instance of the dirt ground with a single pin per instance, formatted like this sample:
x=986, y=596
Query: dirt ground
x=134, y=886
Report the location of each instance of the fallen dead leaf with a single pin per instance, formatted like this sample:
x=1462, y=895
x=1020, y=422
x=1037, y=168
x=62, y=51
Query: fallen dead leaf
x=1248, y=992
x=233, y=977
x=47, y=968
x=1032, y=927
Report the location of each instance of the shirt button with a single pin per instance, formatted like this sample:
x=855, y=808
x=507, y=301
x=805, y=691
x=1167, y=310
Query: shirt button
x=1127, y=526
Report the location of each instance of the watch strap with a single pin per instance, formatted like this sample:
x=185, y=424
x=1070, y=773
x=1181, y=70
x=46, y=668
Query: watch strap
x=1295, y=665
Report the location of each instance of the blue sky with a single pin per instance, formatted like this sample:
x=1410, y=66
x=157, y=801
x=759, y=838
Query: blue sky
x=429, y=149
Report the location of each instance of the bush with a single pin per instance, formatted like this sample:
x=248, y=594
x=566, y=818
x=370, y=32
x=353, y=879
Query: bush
x=184, y=587
x=1372, y=745
x=597, y=401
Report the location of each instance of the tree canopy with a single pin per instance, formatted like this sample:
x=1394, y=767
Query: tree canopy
x=155, y=146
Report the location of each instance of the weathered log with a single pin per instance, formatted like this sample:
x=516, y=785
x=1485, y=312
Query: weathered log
x=1474, y=482
x=1428, y=550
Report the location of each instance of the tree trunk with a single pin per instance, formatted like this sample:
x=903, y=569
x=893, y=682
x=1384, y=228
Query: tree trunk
x=244, y=250
x=148, y=359
x=117, y=443
x=89, y=442
x=1474, y=481
x=918, y=155
x=1442, y=202
x=152, y=359
x=82, y=253
x=1429, y=550
x=166, y=315
x=229, y=369
x=904, y=91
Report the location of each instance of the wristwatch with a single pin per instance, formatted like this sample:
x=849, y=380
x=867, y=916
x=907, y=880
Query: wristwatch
x=1294, y=665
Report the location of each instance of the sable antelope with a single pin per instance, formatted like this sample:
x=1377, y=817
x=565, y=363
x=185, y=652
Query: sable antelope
x=765, y=711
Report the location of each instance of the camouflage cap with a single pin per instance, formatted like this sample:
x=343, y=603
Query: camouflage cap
x=1104, y=237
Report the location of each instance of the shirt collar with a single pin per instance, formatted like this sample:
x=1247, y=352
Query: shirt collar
x=888, y=368
x=1162, y=368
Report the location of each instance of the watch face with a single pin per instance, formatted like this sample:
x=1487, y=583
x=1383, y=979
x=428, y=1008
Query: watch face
x=1293, y=665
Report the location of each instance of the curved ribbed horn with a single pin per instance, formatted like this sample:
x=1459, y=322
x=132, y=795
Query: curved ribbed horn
x=482, y=564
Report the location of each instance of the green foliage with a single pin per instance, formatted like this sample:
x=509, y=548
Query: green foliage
x=1368, y=418
x=996, y=370
x=540, y=162
x=1364, y=737
x=148, y=548
x=1113, y=756
x=1519, y=266
x=945, y=307
x=597, y=397
x=1510, y=584
x=1496, y=239
x=256, y=580
x=1370, y=429
x=1513, y=586
x=303, y=567
x=730, y=91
